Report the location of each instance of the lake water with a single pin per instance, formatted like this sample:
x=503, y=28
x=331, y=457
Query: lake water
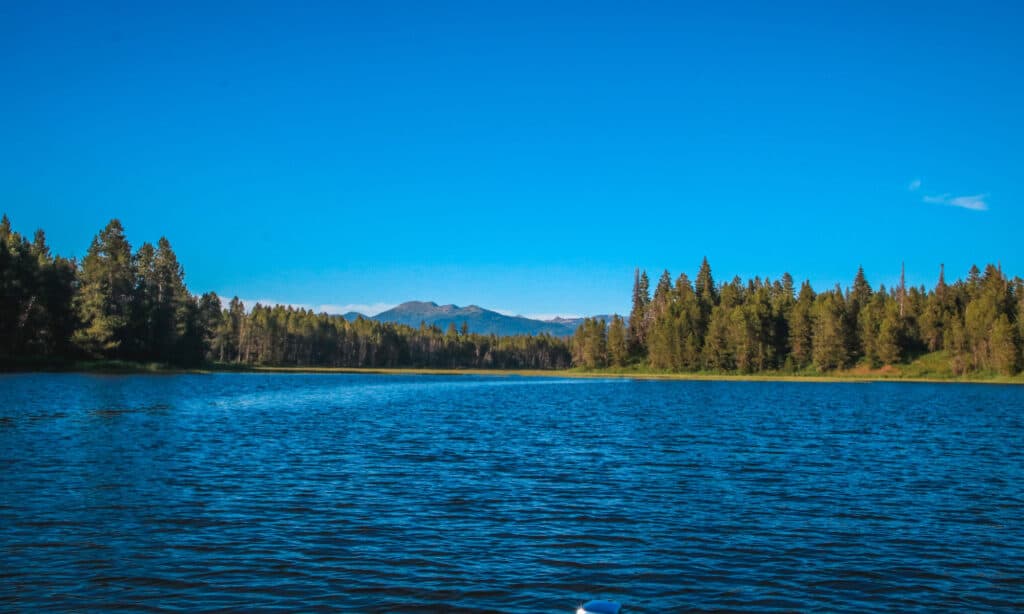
x=416, y=493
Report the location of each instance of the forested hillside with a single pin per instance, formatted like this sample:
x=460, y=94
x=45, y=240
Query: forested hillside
x=476, y=319
x=120, y=304
x=761, y=325
x=133, y=305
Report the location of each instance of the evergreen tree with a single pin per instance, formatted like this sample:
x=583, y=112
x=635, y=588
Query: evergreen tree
x=618, y=350
x=891, y=335
x=707, y=294
x=859, y=297
x=638, y=315
x=689, y=331
x=175, y=313
x=661, y=327
x=707, y=298
x=1005, y=346
x=870, y=323
x=973, y=280
x=801, y=327
x=210, y=317
x=936, y=315
x=590, y=344
x=36, y=288
x=783, y=300
x=106, y=292
x=759, y=330
x=1018, y=285
x=718, y=351
x=830, y=345
x=137, y=307
x=992, y=300
x=143, y=333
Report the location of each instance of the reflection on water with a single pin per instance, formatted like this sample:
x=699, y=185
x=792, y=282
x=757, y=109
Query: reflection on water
x=387, y=493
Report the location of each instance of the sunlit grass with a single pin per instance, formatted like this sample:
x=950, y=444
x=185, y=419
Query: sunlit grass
x=931, y=367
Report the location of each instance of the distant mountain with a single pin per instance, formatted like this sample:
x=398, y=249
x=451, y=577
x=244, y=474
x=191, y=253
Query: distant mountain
x=479, y=320
x=575, y=322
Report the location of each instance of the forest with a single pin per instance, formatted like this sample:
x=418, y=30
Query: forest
x=764, y=325
x=117, y=304
x=120, y=304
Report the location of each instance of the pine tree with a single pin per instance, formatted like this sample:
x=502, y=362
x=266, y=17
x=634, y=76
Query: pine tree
x=783, y=300
x=590, y=347
x=717, y=354
x=660, y=326
x=143, y=332
x=687, y=320
x=858, y=299
x=638, y=315
x=1005, y=346
x=760, y=328
x=801, y=327
x=174, y=309
x=1018, y=285
x=830, y=343
x=618, y=351
x=704, y=286
x=973, y=281
x=211, y=315
x=105, y=294
x=991, y=299
x=935, y=315
x=891, y=336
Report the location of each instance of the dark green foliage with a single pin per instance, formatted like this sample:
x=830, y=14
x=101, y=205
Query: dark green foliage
x=285, y=336
x=107, y=291
x=891, y=338
x=717, y=353
x=761, y=326
x=590, y=344
x=801, y=327
x=36, y=291
x=120, y=305
x=618, y=350
x=129, y=306
x=831, y=343
x=1005, y=350
x=638, y=315
x=660, y=325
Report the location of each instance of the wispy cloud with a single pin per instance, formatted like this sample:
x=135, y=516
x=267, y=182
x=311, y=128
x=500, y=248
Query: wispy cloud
x=536, y=316
x=371, y=309
x=551, y=316
x=914, y=185
x=976, y=202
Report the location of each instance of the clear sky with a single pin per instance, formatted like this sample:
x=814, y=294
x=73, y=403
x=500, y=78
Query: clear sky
x=520, y=156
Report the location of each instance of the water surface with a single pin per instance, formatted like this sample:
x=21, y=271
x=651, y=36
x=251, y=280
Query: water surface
x=419, y=493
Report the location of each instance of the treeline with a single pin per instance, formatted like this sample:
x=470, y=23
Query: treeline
x=762, y=325
x=282, y=335
x=125, y=305
x=120, y=304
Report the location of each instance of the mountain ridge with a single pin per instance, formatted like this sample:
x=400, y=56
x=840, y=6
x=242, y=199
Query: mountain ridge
x=478, y=319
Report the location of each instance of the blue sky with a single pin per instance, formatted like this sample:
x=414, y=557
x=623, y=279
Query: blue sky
x=521, y=156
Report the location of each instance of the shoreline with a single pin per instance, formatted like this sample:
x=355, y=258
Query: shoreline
x=129, y=368
x=598, y=374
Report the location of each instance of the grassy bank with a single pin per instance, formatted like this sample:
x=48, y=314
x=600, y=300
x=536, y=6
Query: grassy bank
x=125, y=367
x=933, y=367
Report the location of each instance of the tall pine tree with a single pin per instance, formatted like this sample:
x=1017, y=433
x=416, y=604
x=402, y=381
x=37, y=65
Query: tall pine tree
x=106, y=293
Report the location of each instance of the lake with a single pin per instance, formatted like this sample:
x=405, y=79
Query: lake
x=423, y=493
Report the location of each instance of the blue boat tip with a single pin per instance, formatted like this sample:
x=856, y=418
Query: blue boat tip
x=599, y=606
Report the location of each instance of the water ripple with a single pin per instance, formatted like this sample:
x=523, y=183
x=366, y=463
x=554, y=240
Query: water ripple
x=477, y=494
